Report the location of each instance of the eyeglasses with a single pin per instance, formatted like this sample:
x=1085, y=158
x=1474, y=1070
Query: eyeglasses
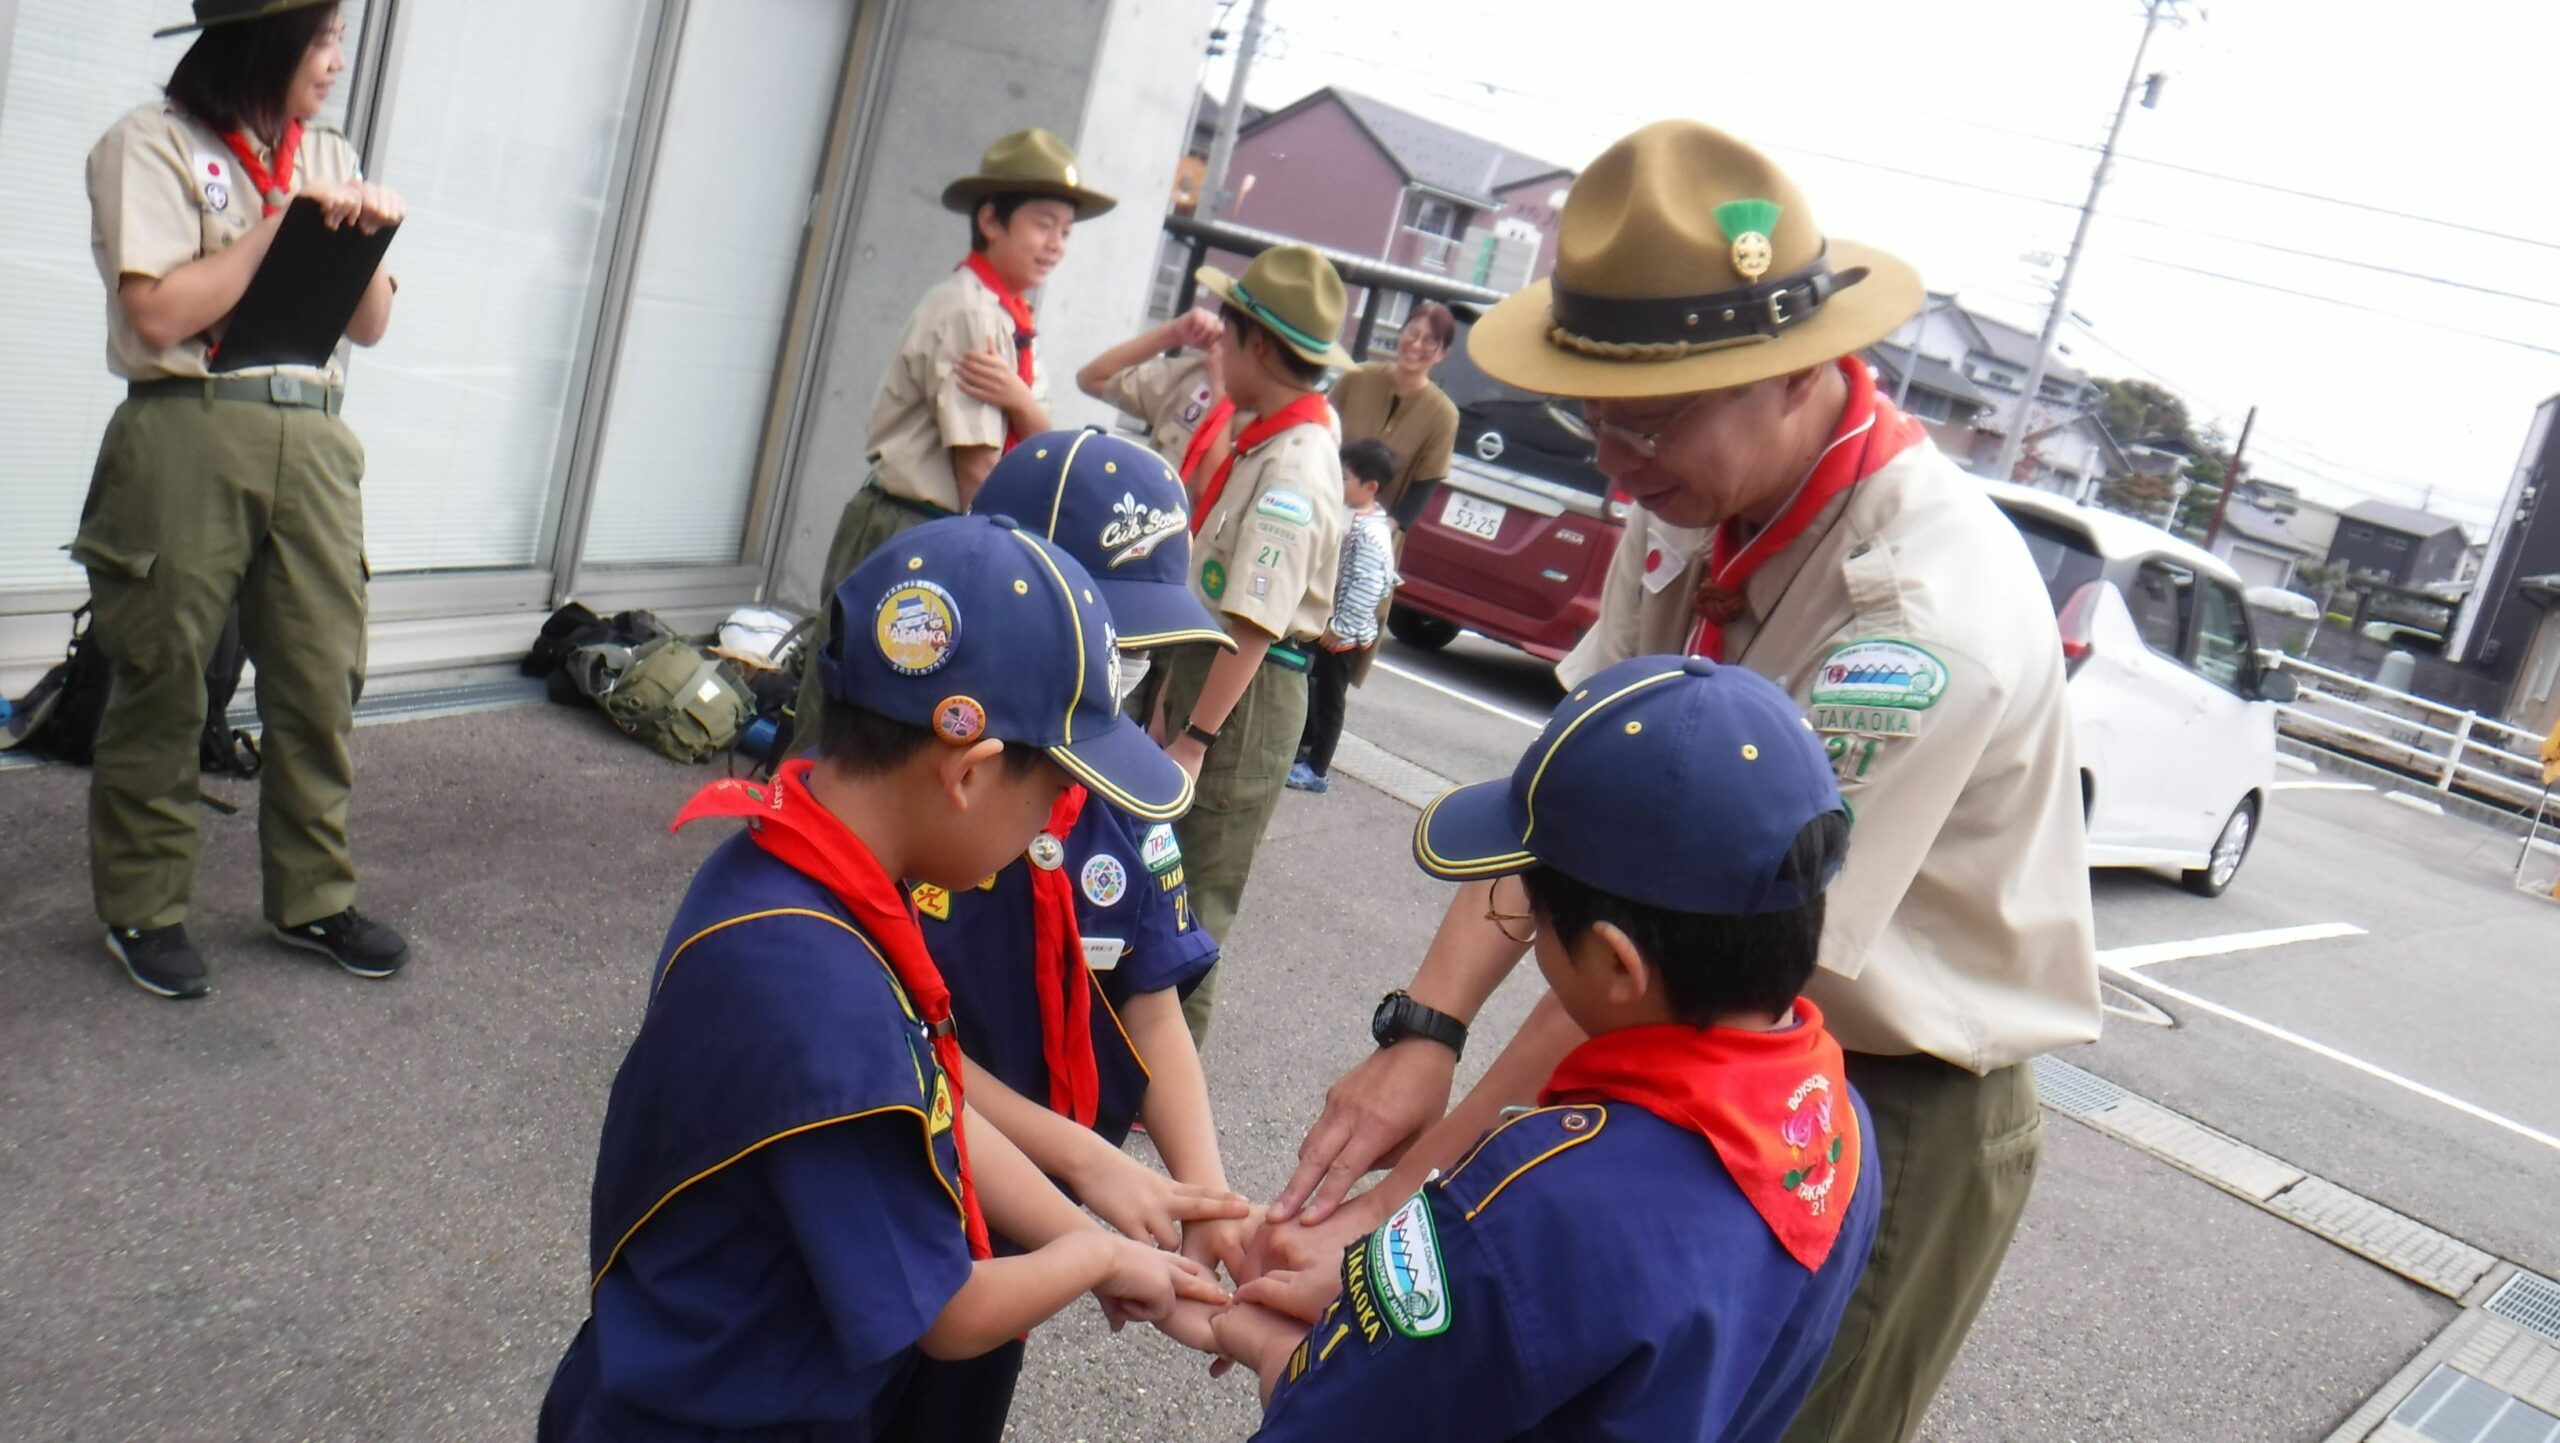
x=1646, y=444
x=1520, y=927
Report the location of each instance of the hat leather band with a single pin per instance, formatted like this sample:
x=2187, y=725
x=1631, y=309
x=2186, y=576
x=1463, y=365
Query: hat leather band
x=1260, y=312
x=1684, y=325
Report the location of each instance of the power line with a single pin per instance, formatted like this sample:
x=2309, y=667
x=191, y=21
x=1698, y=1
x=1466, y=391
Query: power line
x=2349, y=204
x=2336, y=301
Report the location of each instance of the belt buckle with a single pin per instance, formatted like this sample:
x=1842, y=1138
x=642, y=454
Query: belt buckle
x=285, y=390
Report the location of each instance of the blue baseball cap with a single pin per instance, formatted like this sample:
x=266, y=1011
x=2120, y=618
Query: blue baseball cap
x=1667, y=780
x=1114, y=505
x=971, y=626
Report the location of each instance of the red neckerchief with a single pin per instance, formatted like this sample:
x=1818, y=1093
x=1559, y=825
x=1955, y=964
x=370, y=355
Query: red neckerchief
x=1204, y=438
x=1871, y=433
x=274, y=188
x=1058, y=972
x=1023, y=333
x=1775, y=1105
x=797, y=830
x=1310, y=409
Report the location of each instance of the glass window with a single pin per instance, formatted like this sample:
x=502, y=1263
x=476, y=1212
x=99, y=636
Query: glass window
x=2062, y=555
x=1930, y=406
x=2159, y=600
x=718, y=268
x=2222, y=636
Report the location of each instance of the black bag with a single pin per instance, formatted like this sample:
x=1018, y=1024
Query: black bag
x=574, y=626
x=222, y=750
x=60, y=717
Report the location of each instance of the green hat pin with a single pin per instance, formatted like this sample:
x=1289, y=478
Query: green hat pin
x=1749, y=224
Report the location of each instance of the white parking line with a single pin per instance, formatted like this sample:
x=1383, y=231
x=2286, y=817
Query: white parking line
x=2319, y=786
x=2134, y=958
x=2322, y=1049
x=1479, y=703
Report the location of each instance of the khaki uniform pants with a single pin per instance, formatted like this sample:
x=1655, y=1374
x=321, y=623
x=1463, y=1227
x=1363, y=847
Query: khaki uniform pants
x=196, y=501
x=1958, y=1156
x=1240, y=783
x=870, y=519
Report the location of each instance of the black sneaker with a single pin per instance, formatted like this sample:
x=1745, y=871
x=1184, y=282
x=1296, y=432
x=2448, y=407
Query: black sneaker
x=351, y=939
x=160, y=960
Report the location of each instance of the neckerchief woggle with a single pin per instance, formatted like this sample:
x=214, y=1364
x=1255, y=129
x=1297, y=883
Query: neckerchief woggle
x=1871, y=433
x=1060, y=977
x=275, y=188
x=797, y=830
x=1774, y=1105
x=1310, y=409
x=1019, y=313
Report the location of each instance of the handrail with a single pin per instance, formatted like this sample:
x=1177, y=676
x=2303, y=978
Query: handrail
x=2450, y=766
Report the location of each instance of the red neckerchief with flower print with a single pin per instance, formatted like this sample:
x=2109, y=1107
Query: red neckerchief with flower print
x=1774, y=1105
x=797, y=830
x=1016, y=310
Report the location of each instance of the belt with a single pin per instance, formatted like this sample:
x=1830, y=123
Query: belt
x=924, y=509
x=1290, y=655
x=264, y=390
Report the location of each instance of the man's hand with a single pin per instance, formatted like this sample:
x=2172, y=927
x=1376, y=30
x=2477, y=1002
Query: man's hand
x=987, y=376
x=1187, y=753
x=1144, y=1285
x=1300, y=1295
x=1198, y=329
x=1145, y=1204
x=1370, y=1116
x=1306, y=1247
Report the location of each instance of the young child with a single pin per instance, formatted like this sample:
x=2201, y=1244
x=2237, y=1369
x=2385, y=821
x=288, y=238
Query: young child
x=966, y=383
x=1065, y=1055
x=1359, y=596
x=1172, y=378
x=1269, y=538
x=1663, y=1247
x=792, y=1199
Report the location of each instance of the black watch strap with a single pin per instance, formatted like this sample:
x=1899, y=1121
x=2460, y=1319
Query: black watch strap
x=1204, y=738
x=1399, y=1017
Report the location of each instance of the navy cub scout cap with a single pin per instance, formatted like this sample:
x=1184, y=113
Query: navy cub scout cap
x=1669, y=781
x=973, y=627
x=1118, y=508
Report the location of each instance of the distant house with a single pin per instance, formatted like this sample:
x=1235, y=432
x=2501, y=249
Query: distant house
x=2509, y=628
x=1354, y=173
x=2262, y=547
x=1966, y=384
x=2402, y=545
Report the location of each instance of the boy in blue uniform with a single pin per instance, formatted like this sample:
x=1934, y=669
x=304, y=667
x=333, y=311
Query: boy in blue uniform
x=1065, y=1055
x=787, y=1215
x=1662, y=1248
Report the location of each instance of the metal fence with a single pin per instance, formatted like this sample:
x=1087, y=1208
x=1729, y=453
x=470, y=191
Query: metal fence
x=2458, y=751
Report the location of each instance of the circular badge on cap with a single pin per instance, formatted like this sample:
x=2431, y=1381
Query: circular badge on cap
x=917, y=626
x=959, y=720
x=1105, y=880
x=1047, y=853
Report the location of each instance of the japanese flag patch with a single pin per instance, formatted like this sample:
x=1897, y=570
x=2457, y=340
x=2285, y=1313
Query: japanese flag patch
x=1667, y=553
x=213, y=177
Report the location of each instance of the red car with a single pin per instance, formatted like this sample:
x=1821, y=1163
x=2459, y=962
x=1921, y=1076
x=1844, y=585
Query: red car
x=1514, y=545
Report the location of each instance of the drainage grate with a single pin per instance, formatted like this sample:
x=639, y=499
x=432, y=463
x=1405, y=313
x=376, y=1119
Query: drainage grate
x=2451, y=1407
x=2075, y=1090
x=2529, y=1300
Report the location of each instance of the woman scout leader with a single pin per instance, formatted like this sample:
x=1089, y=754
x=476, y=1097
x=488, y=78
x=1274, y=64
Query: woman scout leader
x=211, y=490
x=965, y=384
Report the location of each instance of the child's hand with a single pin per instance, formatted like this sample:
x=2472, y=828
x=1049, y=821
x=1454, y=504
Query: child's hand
x=1191, y=1324
x=1300, y=1295
x=1260, y=1339
x=1143, y=1285
x=1314, y=1247
x=1145, y=1204
x=1199, y=329
x=987, y=376
x=1221, y=1242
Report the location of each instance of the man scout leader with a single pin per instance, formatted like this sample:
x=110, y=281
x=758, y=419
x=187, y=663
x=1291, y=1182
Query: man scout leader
x=966, y=382
x=1790, y=520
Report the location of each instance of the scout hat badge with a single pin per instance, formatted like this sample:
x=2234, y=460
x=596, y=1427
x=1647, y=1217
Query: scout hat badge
x=1296, y=294
x=1027, y=162
x=210, y=13
x=1687, y=261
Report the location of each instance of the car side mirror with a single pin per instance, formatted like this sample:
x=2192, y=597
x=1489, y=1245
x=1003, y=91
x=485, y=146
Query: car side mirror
x=2278, y=687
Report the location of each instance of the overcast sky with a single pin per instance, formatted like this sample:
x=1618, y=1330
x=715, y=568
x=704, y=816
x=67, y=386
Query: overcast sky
x=2441, y=110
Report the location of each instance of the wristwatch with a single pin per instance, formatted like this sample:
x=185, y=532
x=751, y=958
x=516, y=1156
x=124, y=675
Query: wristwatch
x=1399, y=1017
x=1205, y=738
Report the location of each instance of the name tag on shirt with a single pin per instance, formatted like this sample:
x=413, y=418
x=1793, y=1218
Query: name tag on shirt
x=1101, y=954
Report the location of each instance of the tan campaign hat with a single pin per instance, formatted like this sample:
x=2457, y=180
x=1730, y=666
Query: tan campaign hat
x=210, y=13
x=1687, y=261
x=1296, y=293
x=1027, y=162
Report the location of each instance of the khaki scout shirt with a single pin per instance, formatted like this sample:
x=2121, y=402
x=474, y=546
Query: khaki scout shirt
x=1171, y=394
x=921, y=412
x=1420, y=429
x=1270, y=548
x=1960, y=925
x=164, y=190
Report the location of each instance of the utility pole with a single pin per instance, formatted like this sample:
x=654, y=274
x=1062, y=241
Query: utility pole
x=1222, y=149
x=1911, y=355
x=2011, y=444
x=2230, y=480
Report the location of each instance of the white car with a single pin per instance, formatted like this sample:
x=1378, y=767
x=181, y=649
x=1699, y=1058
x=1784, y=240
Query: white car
x=2173, y=709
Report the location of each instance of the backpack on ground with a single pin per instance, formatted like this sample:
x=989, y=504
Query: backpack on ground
x=59, y=718
x=667, y=693
x=573, y=627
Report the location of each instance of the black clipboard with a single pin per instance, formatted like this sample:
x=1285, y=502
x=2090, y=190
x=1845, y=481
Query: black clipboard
x=298, y=304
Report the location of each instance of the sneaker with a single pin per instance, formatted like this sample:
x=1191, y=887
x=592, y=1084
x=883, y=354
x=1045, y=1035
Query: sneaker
x=351, y=939
x=160, y=960
x=1302, y=778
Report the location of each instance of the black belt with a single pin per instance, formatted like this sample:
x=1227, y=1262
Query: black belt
x=264, y=390
x=1290, y=655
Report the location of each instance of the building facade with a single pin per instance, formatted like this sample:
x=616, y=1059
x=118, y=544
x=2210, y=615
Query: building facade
x=2509, y=627
x=2403, y=546
x=626, y=367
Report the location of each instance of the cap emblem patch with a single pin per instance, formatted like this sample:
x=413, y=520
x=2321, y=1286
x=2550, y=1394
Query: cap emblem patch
x=1137, y=529
x=917, y=626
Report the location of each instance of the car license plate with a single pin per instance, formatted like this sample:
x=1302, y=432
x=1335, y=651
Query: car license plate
x=1473, y=515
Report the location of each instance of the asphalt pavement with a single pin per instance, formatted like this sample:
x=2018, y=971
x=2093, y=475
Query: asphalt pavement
x=313, y=1207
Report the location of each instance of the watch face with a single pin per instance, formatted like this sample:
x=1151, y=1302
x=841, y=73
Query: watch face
x=1382, y=1023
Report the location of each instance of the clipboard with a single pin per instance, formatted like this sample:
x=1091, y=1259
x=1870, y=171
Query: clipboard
x=298, y=304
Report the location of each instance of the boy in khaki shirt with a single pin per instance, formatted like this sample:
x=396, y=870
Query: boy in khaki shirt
x=1169, y=377
x=1269, y=538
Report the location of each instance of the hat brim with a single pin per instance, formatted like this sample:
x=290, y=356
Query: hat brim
x=1469, y=835
x=195, y=25
x=1123, y=767
x=1148, y=614
x=1511, y=343
x=965, y=194
x=1223, y=286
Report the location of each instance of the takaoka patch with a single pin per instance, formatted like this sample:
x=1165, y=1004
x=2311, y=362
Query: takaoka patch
x=1866, y=677
x=1408, y=1278
x=1160, y=853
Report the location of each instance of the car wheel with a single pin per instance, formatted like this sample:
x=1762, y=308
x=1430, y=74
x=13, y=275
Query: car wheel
x=2229, y=850
x=1423, y=633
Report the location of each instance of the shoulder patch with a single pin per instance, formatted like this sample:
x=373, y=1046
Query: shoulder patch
x=1876, y=686
x=1161, y=852
x=1281, y=504
x=939, y=1120
x=933, y=901
x=1407, y=1281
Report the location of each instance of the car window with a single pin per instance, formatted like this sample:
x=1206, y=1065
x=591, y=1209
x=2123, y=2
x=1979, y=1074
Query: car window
x=2159, y=598
x=2222, y=636
x=2063, y=556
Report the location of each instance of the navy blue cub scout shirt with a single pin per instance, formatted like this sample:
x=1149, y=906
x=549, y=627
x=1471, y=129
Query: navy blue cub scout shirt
x=1588, y=1272
x=1134, y=911
x=776, y=1214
